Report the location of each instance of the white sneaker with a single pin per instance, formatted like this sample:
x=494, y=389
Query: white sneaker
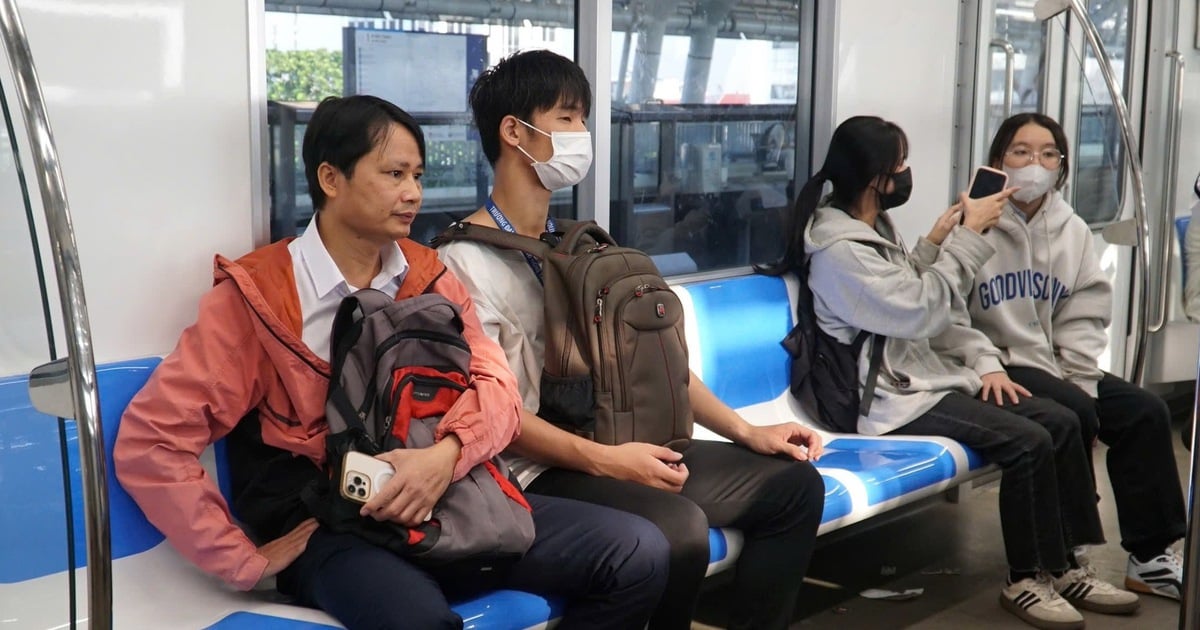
x=1084, y=590
x=1036, y=603
x=1162, y=575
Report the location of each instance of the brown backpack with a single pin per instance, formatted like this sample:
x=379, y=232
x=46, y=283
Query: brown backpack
x=616, y=363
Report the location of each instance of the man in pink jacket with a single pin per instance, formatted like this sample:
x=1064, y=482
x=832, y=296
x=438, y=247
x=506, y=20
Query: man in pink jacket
x=255, y=367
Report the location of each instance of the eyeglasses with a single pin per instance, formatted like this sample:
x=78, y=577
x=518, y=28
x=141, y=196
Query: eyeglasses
x=1050, y=158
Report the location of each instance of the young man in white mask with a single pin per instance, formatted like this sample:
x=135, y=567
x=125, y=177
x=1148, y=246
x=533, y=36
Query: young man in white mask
x=530, y=111
x=1044, y=302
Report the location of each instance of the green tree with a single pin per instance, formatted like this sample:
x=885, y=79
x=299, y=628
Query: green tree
x=303, y=75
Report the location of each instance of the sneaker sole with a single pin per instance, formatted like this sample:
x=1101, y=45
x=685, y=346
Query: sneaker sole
x=1043, y=624
x=1141, y=587
x=1107, y=609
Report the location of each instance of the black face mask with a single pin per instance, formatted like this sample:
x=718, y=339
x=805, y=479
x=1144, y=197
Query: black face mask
x=900, y=192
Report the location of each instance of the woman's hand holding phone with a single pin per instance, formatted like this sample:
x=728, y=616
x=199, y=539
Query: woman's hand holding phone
x=979, y=215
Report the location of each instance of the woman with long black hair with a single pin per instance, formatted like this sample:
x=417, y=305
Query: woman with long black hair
x=863, y=278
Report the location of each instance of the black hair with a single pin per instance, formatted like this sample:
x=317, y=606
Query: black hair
x=522, y=84
x=862, y=149
x=344, y=129
x=1008, y=130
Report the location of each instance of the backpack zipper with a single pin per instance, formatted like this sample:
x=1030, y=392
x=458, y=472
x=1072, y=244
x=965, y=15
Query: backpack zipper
x=393, y=400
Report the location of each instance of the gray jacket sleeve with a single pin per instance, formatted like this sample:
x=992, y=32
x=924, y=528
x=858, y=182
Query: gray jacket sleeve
x=1191, y=290
x=867, y=291
x=1079, y=323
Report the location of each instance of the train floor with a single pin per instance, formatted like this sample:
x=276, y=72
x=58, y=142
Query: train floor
x=953, y=551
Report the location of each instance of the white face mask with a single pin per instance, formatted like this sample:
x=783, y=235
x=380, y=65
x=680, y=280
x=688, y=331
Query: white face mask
x=1034, y=181
x=571, y=159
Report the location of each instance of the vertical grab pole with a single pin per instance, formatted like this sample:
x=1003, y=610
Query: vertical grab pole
x=80, y=364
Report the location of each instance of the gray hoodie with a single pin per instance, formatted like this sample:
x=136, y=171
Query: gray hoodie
x=863, y=279
x=1042, y=301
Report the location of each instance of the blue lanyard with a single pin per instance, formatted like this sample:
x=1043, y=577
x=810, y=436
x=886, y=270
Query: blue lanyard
x=504, y=224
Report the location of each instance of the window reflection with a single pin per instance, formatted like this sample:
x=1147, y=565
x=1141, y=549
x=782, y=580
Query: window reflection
x=704, y=128
x=307, y=60
x=1016, y=25
x=1098, y=160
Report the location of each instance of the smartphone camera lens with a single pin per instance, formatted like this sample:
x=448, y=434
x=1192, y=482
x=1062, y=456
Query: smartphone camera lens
x=358, y=480
x=362, y=492
x=350, y=489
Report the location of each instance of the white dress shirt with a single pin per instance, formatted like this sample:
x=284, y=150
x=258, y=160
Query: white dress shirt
x=321, y=285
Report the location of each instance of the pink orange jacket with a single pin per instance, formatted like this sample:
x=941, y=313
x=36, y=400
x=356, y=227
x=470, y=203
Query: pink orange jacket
x=245, y=352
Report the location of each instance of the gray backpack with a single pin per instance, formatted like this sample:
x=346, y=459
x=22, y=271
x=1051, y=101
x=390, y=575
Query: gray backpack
x=397, y=368
x=616, y=363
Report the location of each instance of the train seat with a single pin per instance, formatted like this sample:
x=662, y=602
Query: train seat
x=33, y=547
x=734, y=326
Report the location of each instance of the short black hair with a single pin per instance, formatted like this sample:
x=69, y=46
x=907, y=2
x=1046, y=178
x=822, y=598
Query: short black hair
x=520, y=85
x=345, y=128
x=1008, y=130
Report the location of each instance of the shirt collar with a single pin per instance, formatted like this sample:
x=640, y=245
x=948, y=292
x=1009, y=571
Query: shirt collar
x=324, y=274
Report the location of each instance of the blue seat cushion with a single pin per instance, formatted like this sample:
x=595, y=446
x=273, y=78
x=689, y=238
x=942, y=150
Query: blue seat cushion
x=890, y=468
x=33, y=520
x=741, y=322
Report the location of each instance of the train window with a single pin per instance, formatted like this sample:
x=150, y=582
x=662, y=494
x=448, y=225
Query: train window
x=709, y=128
x=341, y=48
x=1098, y=158
x=1014, y=25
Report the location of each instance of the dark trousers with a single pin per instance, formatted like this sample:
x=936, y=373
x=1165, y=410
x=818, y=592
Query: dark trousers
x=609, y=566
x=1136, y=426
x=1047, y=501
x=775, y=501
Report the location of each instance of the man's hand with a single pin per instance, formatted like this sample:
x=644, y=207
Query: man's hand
x=647, y=464
x=283, y=551
x=789, y=438
x=422, y=476
x=997, y=384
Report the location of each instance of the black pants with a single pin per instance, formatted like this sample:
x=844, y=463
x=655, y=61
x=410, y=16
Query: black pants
x=1047, y=501
x=776, y=502
x=611, y=568
x=1136, y=426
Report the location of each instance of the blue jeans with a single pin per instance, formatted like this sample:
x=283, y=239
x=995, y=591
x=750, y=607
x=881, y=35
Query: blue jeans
x=1047, y=500
x=610, y=567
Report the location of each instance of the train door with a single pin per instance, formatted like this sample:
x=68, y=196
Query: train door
x=1025, y=64
x=1172, y=163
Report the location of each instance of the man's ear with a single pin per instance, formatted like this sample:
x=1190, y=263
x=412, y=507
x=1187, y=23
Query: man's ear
x=329, y=178
x=510, y=130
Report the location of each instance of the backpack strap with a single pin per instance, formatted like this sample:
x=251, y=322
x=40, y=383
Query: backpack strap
x=585, y=229
x=463, y=231
x=868, y=395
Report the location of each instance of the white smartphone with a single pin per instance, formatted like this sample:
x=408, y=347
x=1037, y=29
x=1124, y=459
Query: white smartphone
x=363, y=476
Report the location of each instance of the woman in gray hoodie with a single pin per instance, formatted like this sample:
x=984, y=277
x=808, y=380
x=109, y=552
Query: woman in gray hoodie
x=863, y=278
x=1043, y=303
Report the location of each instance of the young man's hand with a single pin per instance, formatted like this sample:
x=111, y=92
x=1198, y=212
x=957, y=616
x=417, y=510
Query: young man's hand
x=647, y=464
x=421, y=478
x=789, y=438
x=283, y=551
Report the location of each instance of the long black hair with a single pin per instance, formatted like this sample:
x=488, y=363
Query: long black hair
x=862, y=148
